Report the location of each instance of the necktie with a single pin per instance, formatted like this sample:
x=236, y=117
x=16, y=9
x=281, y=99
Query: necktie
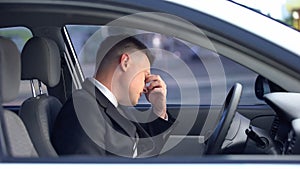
x=135, y=152
x=136, y=138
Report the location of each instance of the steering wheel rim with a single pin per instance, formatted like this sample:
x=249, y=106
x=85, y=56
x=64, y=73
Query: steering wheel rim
x=214, y=143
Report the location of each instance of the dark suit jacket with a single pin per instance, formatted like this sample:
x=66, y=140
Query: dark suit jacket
x=89, y=124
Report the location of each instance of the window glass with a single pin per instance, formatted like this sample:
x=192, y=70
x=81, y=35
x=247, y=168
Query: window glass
x=187, y=69
x=19, y=35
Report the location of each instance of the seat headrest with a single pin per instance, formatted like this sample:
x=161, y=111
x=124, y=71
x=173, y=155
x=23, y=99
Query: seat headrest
x=41, y=60
x=10, y=69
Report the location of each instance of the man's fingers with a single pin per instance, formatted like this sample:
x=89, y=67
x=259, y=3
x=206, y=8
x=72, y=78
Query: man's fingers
x=152, y=78
x=157, y=90
x=154, y=84
x=154, y=81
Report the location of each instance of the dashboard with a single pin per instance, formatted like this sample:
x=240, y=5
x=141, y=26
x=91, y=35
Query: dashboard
x=286, y=127
x=282, y=139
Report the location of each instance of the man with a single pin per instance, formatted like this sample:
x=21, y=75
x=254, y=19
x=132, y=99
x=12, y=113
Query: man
x=94, y=121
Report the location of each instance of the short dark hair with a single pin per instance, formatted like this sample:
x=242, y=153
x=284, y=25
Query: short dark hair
x=113, y=47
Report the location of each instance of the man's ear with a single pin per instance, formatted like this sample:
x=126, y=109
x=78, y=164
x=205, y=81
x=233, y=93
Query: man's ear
x=124, y=61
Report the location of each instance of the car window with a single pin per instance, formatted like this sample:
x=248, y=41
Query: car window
x=19, y=35
x=192, y=73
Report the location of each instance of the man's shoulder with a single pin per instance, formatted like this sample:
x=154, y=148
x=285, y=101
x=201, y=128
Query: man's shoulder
x=81, y=107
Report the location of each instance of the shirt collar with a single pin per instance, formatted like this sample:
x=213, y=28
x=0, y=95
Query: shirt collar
x=106, y=92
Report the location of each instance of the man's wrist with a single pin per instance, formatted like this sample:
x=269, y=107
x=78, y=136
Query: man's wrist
x=166, y=117
x=163, y=115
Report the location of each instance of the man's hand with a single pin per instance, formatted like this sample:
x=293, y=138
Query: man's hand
x=156, y=92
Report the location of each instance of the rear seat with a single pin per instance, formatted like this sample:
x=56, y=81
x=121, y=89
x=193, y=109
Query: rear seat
x=15, y=136
x=40, y=60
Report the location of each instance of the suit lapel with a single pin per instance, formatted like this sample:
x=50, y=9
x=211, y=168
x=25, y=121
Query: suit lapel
x=110, y=109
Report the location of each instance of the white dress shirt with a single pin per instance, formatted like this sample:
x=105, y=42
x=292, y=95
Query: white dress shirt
x=107, y=93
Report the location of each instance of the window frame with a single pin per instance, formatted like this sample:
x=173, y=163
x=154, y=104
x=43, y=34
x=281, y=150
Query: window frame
x=255, y=101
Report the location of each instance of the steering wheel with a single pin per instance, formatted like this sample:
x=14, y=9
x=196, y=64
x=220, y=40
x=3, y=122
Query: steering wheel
x=214, y=143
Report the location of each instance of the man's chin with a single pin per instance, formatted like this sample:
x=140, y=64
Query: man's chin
x=129, y=103
x=134, y=104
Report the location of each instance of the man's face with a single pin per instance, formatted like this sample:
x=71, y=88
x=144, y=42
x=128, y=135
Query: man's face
x=130, y=86
x=141, y=70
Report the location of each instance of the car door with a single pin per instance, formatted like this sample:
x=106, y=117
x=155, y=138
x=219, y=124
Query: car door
x=229, y=36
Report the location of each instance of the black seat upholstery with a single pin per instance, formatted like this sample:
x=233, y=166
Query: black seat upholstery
x=40, y=60
x=15, y=136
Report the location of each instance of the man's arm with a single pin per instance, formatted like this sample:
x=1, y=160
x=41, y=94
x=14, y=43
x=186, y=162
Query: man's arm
x=156, y=93
x=160, y=128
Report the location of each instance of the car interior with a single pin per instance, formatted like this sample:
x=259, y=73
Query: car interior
x=39, y=111
x=49, y=64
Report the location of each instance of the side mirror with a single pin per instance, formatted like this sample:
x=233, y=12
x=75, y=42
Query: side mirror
x=264, y=86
